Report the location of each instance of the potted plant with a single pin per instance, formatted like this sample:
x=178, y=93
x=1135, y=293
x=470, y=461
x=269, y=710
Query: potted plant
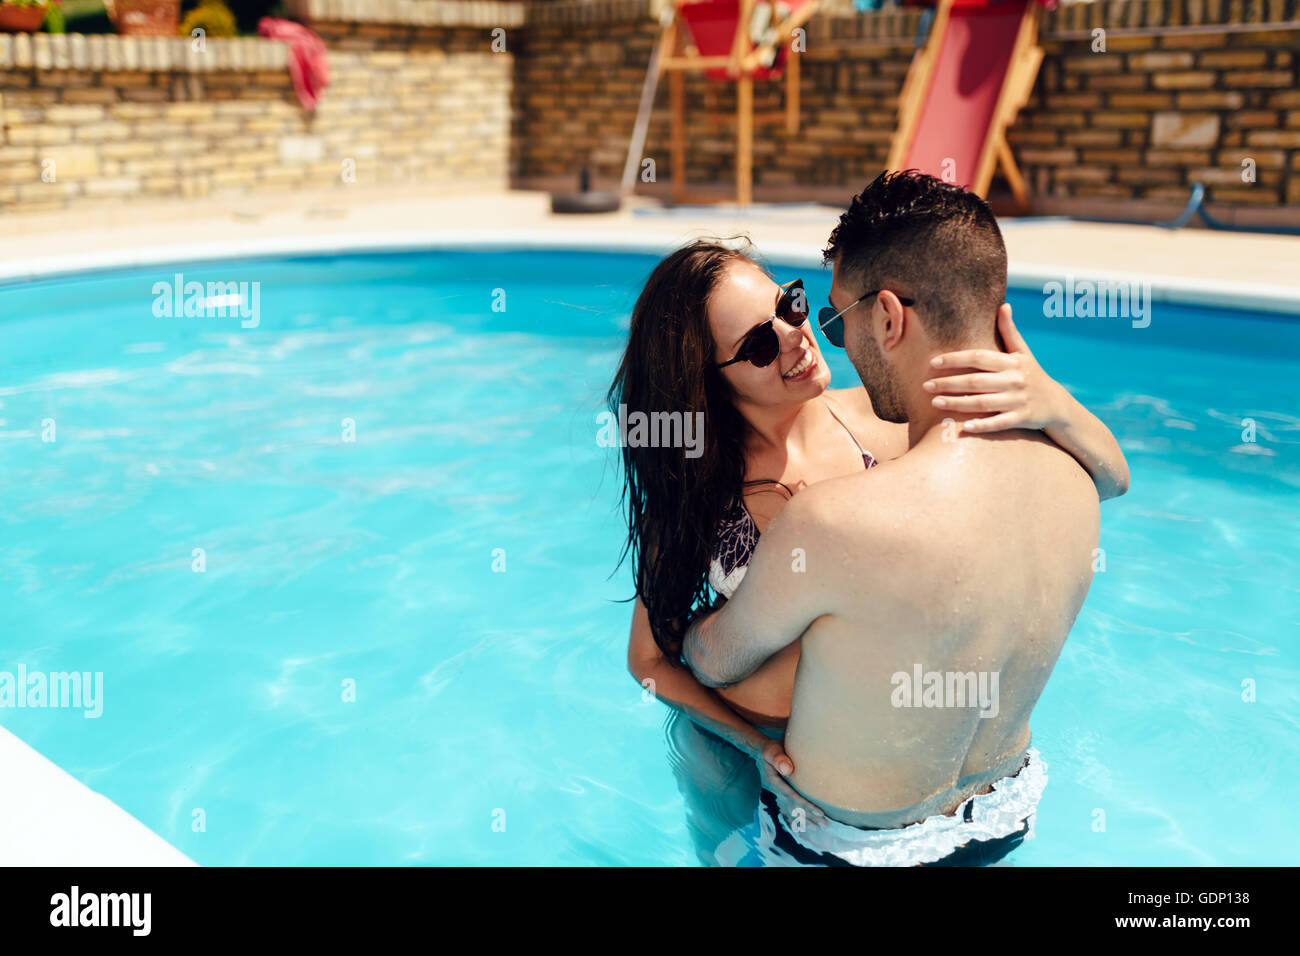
x=22, y=16
x=145, y=18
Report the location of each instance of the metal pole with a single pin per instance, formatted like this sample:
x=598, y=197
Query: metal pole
x=648, y=88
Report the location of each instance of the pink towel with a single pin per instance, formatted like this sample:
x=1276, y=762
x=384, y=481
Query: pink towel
x=309, y=64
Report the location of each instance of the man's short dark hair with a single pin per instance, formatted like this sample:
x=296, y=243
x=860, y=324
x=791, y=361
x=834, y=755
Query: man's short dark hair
x=921, y=237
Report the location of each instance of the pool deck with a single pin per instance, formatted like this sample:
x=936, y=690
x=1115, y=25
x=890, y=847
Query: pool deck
x=1229, y=269
x=52, y=819
x=49, y=818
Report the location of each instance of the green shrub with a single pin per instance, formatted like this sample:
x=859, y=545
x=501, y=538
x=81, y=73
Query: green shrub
x=54, y=20
x=247, y=12
x=213, y=17
x=86, y=16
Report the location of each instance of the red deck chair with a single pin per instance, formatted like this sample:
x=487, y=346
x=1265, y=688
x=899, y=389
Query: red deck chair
x=713, y=36
x=963, y=90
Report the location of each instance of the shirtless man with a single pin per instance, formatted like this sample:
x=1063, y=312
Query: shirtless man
x=956, y=568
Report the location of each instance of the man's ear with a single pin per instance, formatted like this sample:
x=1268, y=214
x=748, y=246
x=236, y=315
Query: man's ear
x=895, y=319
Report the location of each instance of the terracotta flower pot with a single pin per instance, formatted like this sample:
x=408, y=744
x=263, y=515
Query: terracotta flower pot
x=145, y=18
x=21, y=19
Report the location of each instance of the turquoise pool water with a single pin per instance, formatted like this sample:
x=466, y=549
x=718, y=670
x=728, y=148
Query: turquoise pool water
x=486, y=696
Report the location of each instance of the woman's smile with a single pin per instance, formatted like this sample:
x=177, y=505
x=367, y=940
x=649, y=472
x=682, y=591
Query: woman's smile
x=806, y=365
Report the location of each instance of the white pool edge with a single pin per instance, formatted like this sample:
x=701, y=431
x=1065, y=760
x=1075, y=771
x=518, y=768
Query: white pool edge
x=1183, y=290
x=50, y=818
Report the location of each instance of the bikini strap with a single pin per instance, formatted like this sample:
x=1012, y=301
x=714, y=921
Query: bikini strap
x=831, y=408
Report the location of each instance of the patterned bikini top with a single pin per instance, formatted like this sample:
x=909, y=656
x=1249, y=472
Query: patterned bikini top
x=738, y=534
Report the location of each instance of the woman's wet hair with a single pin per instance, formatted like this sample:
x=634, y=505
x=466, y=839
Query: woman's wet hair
x=674, y=502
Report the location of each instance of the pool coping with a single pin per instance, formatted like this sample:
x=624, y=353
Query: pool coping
x=50, y=818
x=1183, y=290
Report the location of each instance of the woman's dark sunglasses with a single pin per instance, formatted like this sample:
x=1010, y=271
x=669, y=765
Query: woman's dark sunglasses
x=761, y=345
x=832, y=323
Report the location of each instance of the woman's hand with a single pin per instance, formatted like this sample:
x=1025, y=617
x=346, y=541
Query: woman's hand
x=1011, y=386
x=774, y=765
x=1015, y=392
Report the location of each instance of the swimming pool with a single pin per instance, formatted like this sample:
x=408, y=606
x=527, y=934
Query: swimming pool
x=454, y=561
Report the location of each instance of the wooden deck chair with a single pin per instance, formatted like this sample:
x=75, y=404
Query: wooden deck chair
x=713, y=36
x=964, y=88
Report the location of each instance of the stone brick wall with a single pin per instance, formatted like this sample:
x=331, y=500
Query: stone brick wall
x=1156, y=113
x=1184, y=92
x=106, y=117
x=105, y=121
x=577, y=86
x=495, y=91
x=417, y=104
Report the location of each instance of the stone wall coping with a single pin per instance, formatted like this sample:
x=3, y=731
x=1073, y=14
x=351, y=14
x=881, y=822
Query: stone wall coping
x=888, y=23
x=424, y=13
x=112, y=53
x=592, y=11
x=1158, y=16
x=836, y=21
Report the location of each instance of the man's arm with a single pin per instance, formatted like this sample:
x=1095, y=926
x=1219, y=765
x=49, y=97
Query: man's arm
x=780, y=596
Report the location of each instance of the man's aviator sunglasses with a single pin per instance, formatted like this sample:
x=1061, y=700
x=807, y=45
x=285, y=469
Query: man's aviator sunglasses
x=762, y=345
x=832, y=323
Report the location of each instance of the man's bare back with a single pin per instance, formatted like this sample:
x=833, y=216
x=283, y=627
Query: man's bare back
x=967, y=559
x=962, y=563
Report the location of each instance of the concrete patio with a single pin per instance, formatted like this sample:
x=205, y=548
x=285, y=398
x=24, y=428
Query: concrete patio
x=1234, y=269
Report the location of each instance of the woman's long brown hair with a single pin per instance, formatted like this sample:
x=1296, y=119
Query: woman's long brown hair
x=673, y=502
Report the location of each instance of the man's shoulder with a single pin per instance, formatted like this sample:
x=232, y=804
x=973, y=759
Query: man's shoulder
x=885, y=478
x=864, y=534
x=869, y=502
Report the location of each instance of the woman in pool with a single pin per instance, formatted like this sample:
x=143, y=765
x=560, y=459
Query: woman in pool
x=713, y=333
